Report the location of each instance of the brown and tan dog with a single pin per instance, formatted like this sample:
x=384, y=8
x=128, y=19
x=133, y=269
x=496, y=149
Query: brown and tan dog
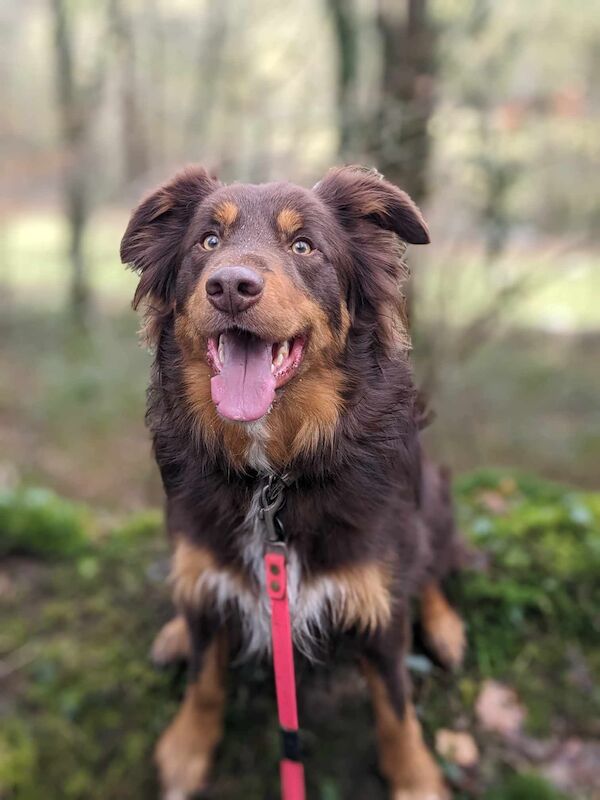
x=281, y=345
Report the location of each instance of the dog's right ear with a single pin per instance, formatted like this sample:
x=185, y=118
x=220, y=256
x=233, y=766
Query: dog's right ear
x=152, y=242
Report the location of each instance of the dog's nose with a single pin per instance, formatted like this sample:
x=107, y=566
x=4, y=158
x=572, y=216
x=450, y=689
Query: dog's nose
x=234, y=289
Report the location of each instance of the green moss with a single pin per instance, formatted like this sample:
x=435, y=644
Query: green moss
x=88, y=706
x=18, y=755
x=525, y=786
x=532, y=612
x=37, y=522
x=143, y=525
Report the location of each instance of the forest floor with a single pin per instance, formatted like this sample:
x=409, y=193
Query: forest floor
x=81, y=598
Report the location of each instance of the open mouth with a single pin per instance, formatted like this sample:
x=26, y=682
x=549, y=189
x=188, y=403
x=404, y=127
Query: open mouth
x=249, y=370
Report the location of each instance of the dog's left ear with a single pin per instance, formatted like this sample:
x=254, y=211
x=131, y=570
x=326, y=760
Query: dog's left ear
x=152, y=242
x=358, y=194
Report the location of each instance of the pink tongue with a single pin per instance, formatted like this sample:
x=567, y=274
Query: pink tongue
x=245, y=387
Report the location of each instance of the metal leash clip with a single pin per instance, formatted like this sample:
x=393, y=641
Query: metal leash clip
x=272, y=498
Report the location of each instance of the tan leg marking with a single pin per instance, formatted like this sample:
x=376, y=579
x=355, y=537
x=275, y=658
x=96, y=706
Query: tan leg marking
x=172, y=643
x=443, y=627
x=364, y=599
x=185, y=751
x=403, y=756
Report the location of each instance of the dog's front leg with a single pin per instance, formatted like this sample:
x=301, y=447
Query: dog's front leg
x=172, y=643
x=404, y=759
x=444, y=629
x=185, y=751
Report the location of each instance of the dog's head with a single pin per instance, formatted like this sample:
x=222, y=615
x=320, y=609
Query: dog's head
x=266, y=282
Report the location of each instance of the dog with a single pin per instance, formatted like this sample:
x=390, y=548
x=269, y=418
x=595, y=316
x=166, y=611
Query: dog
x=281, y=347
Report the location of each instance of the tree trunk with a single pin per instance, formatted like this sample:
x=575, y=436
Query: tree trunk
x=343, y=17
x=77, y=212
x=135, y=150
x=75, y=183
x=400, y=140
x=208, y=73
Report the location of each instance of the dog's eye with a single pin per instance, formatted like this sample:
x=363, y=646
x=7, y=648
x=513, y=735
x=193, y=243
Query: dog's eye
x=211, y=242
x=302, y=247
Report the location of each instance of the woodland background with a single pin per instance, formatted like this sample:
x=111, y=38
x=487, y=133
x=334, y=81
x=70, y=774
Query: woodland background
x=488, y=113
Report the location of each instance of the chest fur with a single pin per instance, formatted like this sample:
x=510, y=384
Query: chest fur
x=355, y=596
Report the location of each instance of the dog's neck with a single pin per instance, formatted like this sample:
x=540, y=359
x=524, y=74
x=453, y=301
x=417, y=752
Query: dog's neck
x=257, y=453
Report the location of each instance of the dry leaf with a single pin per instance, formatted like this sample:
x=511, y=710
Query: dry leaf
x=498, y=709
x=575, y=767
x=493, y=502
x=457, y=747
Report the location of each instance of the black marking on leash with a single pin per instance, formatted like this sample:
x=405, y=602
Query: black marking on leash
x=290, y=745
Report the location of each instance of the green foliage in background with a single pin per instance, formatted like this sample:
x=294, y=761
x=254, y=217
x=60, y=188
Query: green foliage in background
x=525, y=786
x=543, y=545
x=533, y=609
x=38, y=522
x=87, y=705
x=83, y=707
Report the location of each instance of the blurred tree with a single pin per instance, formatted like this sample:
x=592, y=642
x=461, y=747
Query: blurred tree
x=516, y=129
x=210, y=64
x=135, y=149
x=391, y=131
x=77, y=104
x=399, y=138
x=512, y=137
x=497, y=169
x=345, y=26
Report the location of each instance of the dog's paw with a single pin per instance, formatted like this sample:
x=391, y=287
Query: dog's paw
x=432, y=788
x=175, y=794
x=427, y=784
x=172, y=644
x=443, y=629
x=445, y=634
x=416, y=775
x=183, y=762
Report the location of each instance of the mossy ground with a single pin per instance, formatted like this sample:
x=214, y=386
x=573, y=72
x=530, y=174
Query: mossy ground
x=82, y=706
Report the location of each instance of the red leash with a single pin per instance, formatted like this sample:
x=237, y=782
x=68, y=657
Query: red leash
x=291, y=769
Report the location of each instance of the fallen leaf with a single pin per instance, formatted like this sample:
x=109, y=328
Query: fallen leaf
x=457, y=747
x=493, y=502
x=575, y=767
x=498, y=709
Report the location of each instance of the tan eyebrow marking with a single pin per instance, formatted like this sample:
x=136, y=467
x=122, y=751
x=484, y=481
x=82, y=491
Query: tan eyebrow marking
x=226, y=213
x=289, y=221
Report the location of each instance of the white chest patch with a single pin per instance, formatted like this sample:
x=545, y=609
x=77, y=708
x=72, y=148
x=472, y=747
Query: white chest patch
x=312, y=603
x=309, y=603
x=257, y=452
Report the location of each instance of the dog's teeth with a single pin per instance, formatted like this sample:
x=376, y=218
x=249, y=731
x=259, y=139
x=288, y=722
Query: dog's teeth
x=221, y=349
x=283, y=351
x=272, y=368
